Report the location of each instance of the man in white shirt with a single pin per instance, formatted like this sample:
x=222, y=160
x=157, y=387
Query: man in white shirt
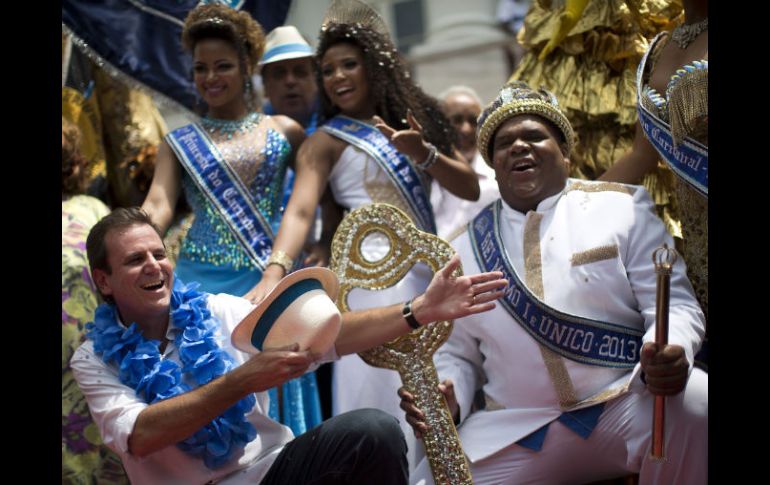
x=567, y=363
x=179, y=404
x=462, y=107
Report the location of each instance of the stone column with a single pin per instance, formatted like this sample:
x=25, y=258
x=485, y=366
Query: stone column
x=463, y=45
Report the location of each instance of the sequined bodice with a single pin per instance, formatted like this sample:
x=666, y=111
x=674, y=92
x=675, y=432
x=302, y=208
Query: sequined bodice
x=684, y=105
x=259, y=157
x=659, y=104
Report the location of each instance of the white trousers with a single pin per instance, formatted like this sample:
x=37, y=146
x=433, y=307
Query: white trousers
x=619, y=445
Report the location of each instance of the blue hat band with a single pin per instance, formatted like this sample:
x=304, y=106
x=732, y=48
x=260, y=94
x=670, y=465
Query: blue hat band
x=277, y=307
x=286, y=48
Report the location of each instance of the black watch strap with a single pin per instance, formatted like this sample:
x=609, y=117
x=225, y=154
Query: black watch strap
x=409, y=316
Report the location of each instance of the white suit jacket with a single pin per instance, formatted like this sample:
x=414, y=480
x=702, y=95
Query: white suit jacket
x=596, y=241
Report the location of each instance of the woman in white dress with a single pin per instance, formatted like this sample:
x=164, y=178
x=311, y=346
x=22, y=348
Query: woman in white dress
x=383, y=140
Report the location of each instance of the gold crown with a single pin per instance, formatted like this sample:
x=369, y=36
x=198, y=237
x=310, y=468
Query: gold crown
x=517, y=98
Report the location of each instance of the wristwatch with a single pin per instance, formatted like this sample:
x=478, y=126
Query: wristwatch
x=409, y=316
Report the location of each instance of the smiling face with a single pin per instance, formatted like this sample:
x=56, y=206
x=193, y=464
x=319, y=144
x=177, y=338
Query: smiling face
x=219, y=78
x=345, y=82
x=290, y=86
x=529, y=161
x=140, y=277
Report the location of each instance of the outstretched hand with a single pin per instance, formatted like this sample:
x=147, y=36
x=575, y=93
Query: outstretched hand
x=449, y=297
x=415, y=416
x=409, y=142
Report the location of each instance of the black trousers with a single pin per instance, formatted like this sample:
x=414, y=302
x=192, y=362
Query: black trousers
x=365, y=446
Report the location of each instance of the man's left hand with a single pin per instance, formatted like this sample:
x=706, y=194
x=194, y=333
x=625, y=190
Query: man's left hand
x=665, y=368
x=449, y=297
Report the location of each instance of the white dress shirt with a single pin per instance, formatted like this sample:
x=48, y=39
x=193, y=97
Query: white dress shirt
x=115, y=408
x=452, y=212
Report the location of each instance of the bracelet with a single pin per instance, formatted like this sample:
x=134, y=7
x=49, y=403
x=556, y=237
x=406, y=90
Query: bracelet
x=281, y=259
x=409, y=316
x=431, y=159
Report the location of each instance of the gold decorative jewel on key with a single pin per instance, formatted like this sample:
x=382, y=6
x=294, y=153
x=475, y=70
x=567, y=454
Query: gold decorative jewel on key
x=411, y=354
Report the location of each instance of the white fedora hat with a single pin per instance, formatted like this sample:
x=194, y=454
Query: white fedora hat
x=299, y=309
x=285, y=43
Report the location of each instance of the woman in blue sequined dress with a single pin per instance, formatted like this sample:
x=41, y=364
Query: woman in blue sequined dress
x=231, y=166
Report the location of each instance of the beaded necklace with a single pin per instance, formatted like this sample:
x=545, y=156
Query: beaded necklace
x=228, y=128
x=684, y=34
x=155, y=379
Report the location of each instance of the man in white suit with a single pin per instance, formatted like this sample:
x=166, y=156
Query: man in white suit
x=567, y=365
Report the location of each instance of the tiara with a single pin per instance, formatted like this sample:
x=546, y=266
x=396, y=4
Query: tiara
x=213, y=20
x=353, y=12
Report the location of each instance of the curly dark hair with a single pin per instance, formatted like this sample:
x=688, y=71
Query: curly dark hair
x=392, y=88
x=221, y=22
x=73, y=165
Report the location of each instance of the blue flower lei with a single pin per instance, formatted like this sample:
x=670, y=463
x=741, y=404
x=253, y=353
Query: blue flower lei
x=141, y=367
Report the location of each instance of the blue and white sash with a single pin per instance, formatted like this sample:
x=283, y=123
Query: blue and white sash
x=402, y=173
x=580, y=339
x=690, y=159
x=222, y=186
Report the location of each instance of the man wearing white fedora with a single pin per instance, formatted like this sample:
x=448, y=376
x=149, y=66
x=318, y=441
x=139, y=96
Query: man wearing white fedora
x=288, y=77
x=172, y=395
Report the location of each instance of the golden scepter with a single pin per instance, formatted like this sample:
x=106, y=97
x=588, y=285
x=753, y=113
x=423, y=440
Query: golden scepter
x=664, y=259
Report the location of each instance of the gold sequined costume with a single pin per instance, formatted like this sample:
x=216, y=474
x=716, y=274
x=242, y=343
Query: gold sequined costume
x=592, y=73
x=133, y=129
x=121, y=129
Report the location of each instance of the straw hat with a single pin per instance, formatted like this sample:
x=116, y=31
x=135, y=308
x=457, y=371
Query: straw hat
x=285, y=43
x=299, y=309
